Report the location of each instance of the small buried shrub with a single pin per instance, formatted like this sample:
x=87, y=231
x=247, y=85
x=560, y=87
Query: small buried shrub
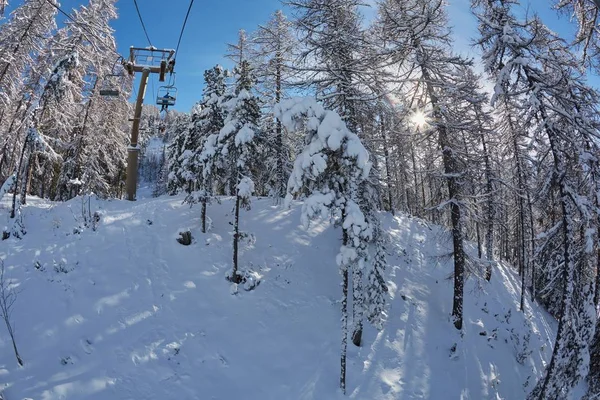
x=185, y=238
x=249, y=279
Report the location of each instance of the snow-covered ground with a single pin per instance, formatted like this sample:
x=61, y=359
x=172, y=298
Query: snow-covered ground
x=126, y=312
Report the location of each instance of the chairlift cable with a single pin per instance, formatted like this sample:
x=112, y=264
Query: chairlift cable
x=183, y=27
x=142, y=22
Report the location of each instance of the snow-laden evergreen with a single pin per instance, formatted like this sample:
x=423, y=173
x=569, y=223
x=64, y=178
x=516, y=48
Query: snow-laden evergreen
x=328, y=172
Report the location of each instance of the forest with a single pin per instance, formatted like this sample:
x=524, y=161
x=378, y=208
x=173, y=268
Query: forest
x=354, y=117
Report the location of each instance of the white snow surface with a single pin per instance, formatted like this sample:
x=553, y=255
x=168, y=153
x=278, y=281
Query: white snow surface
x=126, y=312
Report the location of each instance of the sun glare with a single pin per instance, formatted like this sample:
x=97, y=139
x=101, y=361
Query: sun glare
x=419, y=119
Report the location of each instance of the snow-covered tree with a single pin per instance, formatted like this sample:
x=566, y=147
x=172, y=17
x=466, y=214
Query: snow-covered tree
x=231, y=149
x=534, y=67
x=331, y=58
x=272, y=50
x=90, y=37
x=176, y=131
x=21, y=38
x=328, y=172
x=418, y=35
x=585, y=13
x=208, y=121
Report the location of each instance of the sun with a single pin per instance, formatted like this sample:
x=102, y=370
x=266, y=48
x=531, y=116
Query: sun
x=419, y=119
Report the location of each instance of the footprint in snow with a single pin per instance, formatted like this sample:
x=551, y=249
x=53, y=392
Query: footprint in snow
x=86, y=345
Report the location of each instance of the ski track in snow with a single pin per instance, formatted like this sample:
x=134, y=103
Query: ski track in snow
x=126, y=312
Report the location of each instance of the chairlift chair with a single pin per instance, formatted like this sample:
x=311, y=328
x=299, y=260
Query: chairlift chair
x=111, y=85
x=166, y=96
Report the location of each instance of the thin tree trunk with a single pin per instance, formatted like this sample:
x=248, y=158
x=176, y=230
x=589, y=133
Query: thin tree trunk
x=451, y=170
x=18, y=176
x=532, y=260
x=281, y=181
x=236, y=233
x=344, y=343
x=357, y=304
x=414, y=168
x=344, y=330
x=388, y=174
x=203, y=215
x=28, y=177
x=489, y=234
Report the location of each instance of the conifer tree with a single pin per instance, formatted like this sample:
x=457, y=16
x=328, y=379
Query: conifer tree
x=209, y=121
x=232, y=149
x=329, y=171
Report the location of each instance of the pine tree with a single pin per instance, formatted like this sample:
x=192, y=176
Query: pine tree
x=177, y=131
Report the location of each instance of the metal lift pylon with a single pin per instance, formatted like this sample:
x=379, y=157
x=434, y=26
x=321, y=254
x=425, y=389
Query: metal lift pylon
x=149, y=60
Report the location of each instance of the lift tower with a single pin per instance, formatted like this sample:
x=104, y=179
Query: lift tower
x=149, y=60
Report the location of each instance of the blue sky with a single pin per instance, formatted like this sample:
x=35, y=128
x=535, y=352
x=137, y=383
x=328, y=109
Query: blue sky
x=213, y=24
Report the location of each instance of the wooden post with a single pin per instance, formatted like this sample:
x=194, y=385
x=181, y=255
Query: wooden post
x=133, y=149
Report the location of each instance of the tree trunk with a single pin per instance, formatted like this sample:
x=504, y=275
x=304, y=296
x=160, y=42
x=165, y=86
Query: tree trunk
x=344, y=330
x=281, y=181
x=593, y=378
x=522, y=260
x=203, y=215
x=386, y=156
x=357, y=305
x=236, y=233
x=344, y=343
x=418, y=205
x=567, y=299
x=18, y=176
x=451, y=171
x=489, y=211
x=28, y=177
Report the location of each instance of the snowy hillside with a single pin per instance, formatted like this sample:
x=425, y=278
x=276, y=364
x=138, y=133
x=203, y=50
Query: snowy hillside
x=126, y=312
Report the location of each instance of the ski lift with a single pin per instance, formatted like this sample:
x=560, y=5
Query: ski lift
x=167, y=95
x=111, y=85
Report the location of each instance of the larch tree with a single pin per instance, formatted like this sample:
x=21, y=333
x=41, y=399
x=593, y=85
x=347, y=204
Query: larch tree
x=21, y=38
x=272, y=50
x=417, y=35
x=535, y=68
x=90, y=37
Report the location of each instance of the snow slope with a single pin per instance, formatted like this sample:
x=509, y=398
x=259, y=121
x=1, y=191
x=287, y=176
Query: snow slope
x=126, y=312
